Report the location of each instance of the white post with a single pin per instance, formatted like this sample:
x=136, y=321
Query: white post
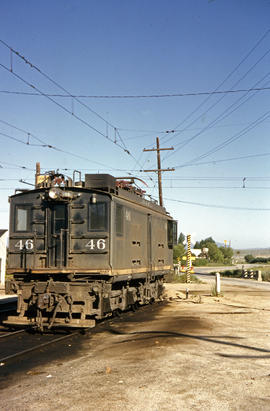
x=218, y=283
x=3, y=254
x=259, y=276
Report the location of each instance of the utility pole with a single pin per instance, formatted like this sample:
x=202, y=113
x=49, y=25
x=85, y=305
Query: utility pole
x=159, y=170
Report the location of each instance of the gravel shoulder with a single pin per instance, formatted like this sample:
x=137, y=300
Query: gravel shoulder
x=204, y=353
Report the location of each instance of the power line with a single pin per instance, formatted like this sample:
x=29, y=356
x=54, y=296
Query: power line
x=215, y=187
x=57, y=103
x=224, y=160
x=229, y=178
x=213, y=162
x=221, y=84
x=228, y=111
x=44, y=144
x=230, y=139
x=50, y=79
x=223, y=115
x=150, y=132
x=15, y=166
x=137, y=96
x=218, y=206
x=235, y=137
x=21, y=141
x=8, y=179
x=23, y=131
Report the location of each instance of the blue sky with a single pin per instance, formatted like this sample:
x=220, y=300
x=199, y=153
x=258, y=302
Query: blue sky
x=120, y=48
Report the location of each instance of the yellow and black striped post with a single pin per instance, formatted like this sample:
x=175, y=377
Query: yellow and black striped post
x=188, y=257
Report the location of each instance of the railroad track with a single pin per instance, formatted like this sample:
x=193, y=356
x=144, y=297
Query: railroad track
x=11, y=341
x=29, y=342
x=4, y=334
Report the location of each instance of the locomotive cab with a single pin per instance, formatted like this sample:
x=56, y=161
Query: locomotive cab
x=54, y=233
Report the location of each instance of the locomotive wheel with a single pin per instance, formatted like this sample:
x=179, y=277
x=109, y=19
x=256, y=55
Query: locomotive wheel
x=117, y=312
x=134, y=307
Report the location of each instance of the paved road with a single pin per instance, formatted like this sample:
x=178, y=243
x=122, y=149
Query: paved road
x=229, y=267
x=235, y=281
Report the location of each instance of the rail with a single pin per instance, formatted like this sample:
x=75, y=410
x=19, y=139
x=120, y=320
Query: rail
x=3, y=360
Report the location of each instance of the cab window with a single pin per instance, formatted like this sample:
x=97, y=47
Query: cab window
x=119, y=225
x=172, y=233
x=98, y=217
x=22, y=218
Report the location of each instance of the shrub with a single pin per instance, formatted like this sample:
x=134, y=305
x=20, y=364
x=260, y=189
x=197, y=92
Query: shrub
x=266, y=276
x=253, y=260
x=249, y=258
x=200, y=262
x=183, y=279
x=231, y=273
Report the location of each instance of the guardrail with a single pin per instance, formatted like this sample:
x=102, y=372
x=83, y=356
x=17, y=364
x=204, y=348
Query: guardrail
x=253, y=274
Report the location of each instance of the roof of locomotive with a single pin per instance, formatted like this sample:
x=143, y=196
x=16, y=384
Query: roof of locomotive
x=122, y=187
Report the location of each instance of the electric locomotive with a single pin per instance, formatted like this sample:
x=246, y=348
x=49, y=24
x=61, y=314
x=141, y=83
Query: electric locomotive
x=82, y=250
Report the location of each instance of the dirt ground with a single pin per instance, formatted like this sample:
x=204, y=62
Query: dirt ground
x=204, y=353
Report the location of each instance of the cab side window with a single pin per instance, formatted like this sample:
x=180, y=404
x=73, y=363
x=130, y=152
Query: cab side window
x=22, y=218
x=119, y=220
x=172, y=233
x=98, y=217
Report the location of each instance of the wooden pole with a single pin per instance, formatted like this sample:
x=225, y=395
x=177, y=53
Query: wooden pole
x=159, y=169
x=159, y=175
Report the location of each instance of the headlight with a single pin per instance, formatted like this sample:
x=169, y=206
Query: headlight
x=55, y=193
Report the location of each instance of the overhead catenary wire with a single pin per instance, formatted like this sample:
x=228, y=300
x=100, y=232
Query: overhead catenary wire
x=46, y=145
x=214, y=187
x=228, y=111
x=39, y=94
x=233, y=138
x=21, y=141
x=15, y=166
x=74, y=96
x=223, y=160
x=187, y=94
x=223, y=81
x=71, y=112
x=217, y=178
x=217, y=206
x=229, y=140
x=68, y=94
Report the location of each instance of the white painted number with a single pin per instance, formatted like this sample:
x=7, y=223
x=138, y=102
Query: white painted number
x=99, y=244
x=28, y=244
x=90, y=244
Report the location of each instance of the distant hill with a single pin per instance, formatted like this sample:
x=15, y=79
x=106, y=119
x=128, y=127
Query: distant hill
x=256, y=252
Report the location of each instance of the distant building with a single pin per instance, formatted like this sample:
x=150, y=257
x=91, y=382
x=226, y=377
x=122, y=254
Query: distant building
x=196, y=251
x=3, y=255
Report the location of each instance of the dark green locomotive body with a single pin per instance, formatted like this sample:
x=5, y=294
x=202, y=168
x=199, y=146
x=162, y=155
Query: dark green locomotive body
x=80, y=251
